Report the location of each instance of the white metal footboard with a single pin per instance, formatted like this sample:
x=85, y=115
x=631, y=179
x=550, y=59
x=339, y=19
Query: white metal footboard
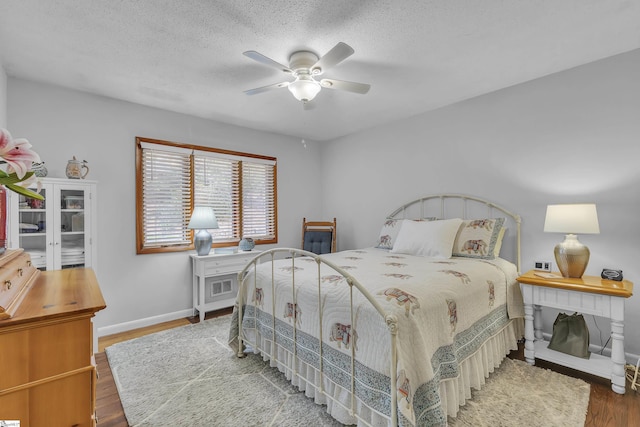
x=389, y=318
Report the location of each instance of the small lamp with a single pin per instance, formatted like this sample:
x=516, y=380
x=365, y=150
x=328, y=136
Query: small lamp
x=572, y=256
x=203, y=218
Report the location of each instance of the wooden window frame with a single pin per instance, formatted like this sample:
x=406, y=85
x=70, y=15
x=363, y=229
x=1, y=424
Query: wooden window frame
x=140, y=229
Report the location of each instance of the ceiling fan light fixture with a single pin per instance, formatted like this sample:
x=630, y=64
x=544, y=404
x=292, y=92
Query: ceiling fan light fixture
x=304, y=88
x=304, y=65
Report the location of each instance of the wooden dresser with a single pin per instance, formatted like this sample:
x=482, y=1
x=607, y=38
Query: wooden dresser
x=47, y=370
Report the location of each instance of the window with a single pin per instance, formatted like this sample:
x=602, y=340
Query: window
x=172, y=178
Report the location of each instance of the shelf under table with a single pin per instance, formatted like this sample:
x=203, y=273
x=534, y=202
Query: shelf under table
x=596, y=364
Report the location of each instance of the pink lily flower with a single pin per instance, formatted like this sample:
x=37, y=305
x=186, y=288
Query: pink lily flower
x=17, y=153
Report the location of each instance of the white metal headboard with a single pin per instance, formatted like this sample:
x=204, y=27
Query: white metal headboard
x=444, y=206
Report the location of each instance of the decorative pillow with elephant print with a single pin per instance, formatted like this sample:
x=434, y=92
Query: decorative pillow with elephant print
x=479, y=238
x=390, y=230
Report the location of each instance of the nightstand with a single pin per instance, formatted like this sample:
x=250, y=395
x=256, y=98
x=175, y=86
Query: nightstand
x=215, y=281
x=587, y=295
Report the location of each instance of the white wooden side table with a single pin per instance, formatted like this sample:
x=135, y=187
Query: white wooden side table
x=588, y=295
x=217, y=266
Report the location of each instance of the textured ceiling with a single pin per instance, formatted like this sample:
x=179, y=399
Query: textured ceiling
x=186, y=56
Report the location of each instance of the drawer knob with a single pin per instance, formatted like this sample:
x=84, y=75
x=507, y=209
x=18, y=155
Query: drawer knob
x=20, y=272
x=7, y=283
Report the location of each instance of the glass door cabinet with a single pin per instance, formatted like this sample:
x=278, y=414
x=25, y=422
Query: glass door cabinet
x=59, y=231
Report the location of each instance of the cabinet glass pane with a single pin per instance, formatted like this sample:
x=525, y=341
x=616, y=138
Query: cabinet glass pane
x=33, y=227
x=72, y=242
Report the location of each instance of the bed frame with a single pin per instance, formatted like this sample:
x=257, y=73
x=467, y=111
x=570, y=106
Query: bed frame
x=441, y=206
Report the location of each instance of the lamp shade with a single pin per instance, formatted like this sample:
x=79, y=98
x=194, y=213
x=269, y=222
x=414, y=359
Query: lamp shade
x=304, y=88
x=203, y=217
x=572, y=219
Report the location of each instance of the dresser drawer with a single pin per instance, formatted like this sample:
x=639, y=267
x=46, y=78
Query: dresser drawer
x=16, y=272
x=225, y=265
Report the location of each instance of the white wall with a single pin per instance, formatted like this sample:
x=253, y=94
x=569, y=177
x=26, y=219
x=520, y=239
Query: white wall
x=61, y=123
x=3, y=98
x=569, y=137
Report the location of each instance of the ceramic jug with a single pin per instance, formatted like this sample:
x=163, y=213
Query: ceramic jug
x=77, y=169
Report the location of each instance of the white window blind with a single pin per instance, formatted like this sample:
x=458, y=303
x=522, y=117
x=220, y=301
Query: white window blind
x=173, y=178
x=258, y=207
x=217, y=184
x=166, y=198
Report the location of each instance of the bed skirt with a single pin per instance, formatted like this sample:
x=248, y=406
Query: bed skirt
x=475, y=369
x=454, y=392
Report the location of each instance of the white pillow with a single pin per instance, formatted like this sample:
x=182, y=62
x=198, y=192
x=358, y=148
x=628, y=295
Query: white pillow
x=427, y=238
x=390, y=230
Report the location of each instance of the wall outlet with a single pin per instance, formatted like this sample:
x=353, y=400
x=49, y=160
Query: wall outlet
x=542, y=265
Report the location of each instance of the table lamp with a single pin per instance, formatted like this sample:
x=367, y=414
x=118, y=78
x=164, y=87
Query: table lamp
x=572, y=256
x=203, y=218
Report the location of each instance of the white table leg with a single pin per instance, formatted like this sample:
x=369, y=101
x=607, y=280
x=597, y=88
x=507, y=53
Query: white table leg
x=529, y=349
x=194, y=285
x=617, y=345
x=617, y=357
x=201, y=289
x=537, y=322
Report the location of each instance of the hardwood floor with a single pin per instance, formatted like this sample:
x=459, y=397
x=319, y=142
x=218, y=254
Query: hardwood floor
x=108, y=407
x=606, y=408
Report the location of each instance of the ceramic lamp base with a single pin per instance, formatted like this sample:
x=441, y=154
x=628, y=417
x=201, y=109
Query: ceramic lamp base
x=572, y=256
x=202, y=242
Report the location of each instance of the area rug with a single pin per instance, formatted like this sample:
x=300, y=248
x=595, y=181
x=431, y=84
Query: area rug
x=188, y=376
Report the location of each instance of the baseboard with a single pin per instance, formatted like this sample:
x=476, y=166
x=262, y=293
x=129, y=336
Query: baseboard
x=141, y=323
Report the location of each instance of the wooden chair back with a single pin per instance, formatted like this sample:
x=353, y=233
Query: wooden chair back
x=319, y=237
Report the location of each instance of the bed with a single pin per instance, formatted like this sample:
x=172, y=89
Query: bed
x=409, y=326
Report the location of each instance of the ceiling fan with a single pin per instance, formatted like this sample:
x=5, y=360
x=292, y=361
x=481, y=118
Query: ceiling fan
x=304, y=66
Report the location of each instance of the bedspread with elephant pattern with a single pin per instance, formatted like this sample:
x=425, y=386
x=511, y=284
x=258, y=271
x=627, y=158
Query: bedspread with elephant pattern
x=446, y=309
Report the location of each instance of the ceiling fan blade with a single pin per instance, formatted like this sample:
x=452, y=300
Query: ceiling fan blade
x=266, y=61
x=361, y=88
x=266, y=88
x=336, y=55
